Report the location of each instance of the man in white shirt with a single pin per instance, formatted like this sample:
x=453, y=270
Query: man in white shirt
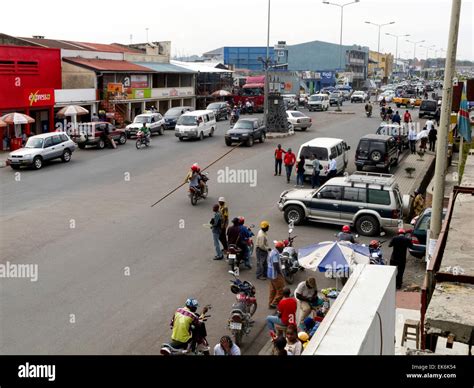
x=332, y=168
x=412, y=138
x=429, y=124
x=226, y=347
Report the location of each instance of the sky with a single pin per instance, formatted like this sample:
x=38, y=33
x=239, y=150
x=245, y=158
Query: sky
x=197, y=26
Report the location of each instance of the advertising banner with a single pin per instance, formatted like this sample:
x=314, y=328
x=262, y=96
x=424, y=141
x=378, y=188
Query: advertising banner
x=39, y=97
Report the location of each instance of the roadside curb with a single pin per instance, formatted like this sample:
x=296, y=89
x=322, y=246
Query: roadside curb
x=277, y=135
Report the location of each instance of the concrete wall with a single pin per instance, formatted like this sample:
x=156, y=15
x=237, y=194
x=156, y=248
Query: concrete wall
x=91, y=54
x=352, y=325
x=75, y=77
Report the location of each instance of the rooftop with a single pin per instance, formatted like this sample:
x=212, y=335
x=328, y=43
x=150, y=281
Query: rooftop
x=108, y=65
x=164, y=67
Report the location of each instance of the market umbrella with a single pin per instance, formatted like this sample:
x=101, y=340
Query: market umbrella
x=221, y=93
x=334, y=256
x=3, y=123
x=422, y=134
x=73, y=111
x=17, y=118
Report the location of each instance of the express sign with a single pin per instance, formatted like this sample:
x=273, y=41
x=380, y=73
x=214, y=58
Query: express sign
x=39, y=97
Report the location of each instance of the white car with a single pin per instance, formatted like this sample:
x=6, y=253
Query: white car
x=154, y=121
x=298, y=120
x=389, y=95
x=318, y=102
x=359, y=96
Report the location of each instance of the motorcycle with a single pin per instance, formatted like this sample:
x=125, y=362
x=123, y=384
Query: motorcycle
x=233, y=118
x=376, y=255
x=142, y=140
x=242, y=311
x=235, y=255
x=368, y=112
x=195, y=191
x=198, y=345
x=289, y=259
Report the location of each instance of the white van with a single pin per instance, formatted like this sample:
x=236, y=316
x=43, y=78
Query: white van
x=318, y=102
x=325, y=148
x=196, y=124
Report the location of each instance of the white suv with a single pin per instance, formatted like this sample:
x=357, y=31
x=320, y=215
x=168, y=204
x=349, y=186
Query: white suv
x=154, y=121
x=318, y=102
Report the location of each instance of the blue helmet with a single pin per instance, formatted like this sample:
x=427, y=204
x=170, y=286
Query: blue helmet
x=192, y=303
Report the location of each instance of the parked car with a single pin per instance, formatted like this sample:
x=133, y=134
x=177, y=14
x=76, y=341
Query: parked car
x=359, y=96
x=318, y=102
x=246, y=131
x=154, y=122
x=428, y=108
x=336, y=98
x=325, y=148
x=291, y=101
x=91, y=134
x=196, y=125
x=219, y=109
x=421, y=224
x=302, y=99
x=41, y=148
x=172, y=115
x=379, y=151
x=397, y=131
x=298, y=120
x=367, y=201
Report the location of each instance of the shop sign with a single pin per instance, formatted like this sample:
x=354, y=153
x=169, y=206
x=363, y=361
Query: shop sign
x=115, y=87
x=39, y=97
x=139, y=82
x=173, y=92
x=140, y=93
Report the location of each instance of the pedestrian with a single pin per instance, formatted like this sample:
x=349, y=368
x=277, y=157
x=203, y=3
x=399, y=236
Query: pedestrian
x=432, y=136
x=279, y=345
x=277, y=281
x=429, y=124
x=307, y=294
x=396, y=118
x=262, y=250
x=289, y=160
x=226, y=347
x=400, y=245
x=286, y=312
x=407, y=117
x=224, y=210
x=245, y=235
x=332, y=172
x=423, y=139
x=216, y=228
x=418, y=203
x=317, y=167
x=293, y=346
x=278, y=159
x=300, y=172
x=412, y=138
x=94, y=118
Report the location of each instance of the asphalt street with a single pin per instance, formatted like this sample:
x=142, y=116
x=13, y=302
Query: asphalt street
x=112, y=268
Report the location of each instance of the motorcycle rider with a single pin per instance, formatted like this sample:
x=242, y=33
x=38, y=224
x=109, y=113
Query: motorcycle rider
x=195, y=178
x=346, y=235
x=246, y=234
x=146, y=132
x=368, y=108
x=234, y=237
x=375, y=252
x=186, y=324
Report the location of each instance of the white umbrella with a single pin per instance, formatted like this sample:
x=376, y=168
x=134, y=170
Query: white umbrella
x=17, y=118
x=221, y=93
x=422, y=134
x=73, y=111
x=3, y=123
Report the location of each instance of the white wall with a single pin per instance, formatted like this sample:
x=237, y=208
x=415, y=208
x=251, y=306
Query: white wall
x=62, y=96
x=166, y=92
x=352, y=326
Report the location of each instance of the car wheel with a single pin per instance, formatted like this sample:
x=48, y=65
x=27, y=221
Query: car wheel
x=122, y=139
x=228, y=143
x=367, y=226
x=37, y=162
x=201, y=136
x=262, y=138
x=359, y=168
x=250, y=142
x=303, y=129
x=66, y=156
x=81, y=146
x=180, y=139
x=211, y=133
x=161, y=131
x=101, y=144
x=294, y=214
x=376, y=156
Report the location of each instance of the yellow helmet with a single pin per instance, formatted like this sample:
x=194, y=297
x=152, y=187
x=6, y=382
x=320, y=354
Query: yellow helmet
x=264, y=224
x=303, y=336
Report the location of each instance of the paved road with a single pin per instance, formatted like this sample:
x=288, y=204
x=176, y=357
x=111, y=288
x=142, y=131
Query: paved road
x=112, y=269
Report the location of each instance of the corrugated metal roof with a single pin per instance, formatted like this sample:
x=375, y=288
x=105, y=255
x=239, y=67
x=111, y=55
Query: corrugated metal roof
x=53, y=43
x=165, y=67
x=109, y=65
x=201, y=67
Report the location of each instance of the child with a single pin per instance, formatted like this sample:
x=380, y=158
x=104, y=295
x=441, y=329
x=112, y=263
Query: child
x=279, y=345
x=293, y=346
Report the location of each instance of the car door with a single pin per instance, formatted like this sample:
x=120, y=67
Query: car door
x=58, y=145
x=353, y=200
x=153, y=123
x=326, y=203
x=48, y=149
x=256, y=130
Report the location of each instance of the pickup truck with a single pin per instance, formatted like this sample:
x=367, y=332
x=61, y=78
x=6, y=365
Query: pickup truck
x=405, y=100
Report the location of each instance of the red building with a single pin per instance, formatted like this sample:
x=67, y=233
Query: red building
x=28, y=78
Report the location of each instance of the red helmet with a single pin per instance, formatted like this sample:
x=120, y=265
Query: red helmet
x=241, y=220
x=195, y=167
x=279, y=244
x=346, y=228
x=374, y=244
x=401, y=231
x=286, y=243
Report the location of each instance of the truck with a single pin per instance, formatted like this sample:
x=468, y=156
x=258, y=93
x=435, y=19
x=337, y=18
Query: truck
x=252, y=90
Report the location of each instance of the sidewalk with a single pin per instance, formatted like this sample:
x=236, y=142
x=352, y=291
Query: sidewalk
x=408, y=185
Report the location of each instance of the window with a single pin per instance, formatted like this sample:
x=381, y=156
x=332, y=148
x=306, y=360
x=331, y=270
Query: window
x=159, y=80
x=330, y=192
x=355, y=194
x=379, y=197
x=186, y=80
x=333, y=153
x=424, y=223
x=172, y=80
x=57, y=139
x=64, y=137
x=48, y=142
x=339, y=149
x=320, y=152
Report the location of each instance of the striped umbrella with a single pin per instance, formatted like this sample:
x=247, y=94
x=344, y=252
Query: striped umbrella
x=221, y=93
x=17, y=118
x=72, y=110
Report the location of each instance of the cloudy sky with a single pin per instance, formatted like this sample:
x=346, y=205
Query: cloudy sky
x=196, y=26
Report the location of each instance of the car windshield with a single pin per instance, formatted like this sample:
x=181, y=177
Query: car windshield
x=320, y=152
x=429, y=105
x=34, y=143
x=173, y=112
x=213, y=106
x=315, y=98
x=187, y=120
x=244, y=124
x=297, y=114
x=141, y=119
x=252, y=91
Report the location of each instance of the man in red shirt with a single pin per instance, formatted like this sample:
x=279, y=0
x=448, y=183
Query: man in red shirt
x=278, y=159
x=286, y=313
x=289, y=160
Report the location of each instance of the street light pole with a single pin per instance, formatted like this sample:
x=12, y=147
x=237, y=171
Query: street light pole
x=267, y=60
x=414, y=49
x=396, y=46
x=342, y=19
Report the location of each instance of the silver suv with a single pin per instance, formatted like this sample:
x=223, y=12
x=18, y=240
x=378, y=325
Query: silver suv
x=368, y=201
x=40, y=148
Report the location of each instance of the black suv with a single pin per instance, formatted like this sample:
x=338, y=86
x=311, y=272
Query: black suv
x=246, y=131
x=428, y=108
x=220, y=110
x=335, y=98
x=379, y=151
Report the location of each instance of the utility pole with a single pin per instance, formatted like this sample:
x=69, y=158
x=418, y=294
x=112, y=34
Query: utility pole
x=396, y=47
x=442, y=144
x=267, y=60
x=414, y=52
